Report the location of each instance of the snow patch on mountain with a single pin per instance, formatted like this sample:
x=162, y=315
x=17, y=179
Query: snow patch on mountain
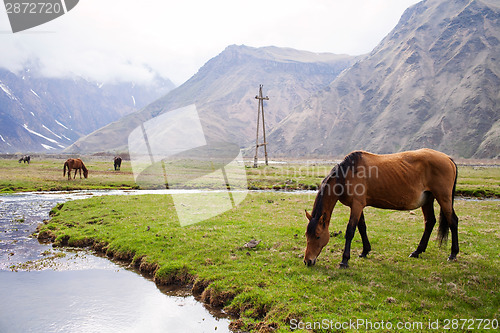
x=38, y=134
x=7, y=91
x=34, y=93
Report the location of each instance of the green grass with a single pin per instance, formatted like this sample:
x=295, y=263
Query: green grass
x=479, y=181
x=269, y=286
x=289, y=176
x=46, y=174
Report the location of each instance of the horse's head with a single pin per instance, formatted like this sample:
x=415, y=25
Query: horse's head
x=317, y=236
x=85, y=173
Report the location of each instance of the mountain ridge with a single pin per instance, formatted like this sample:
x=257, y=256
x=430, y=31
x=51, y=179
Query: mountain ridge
x=431, y=82
x=223, y=91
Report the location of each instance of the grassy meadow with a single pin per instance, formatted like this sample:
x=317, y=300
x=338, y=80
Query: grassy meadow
x=268, y=288
x=46, y=174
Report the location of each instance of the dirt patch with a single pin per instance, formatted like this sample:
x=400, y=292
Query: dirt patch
x=216, y=298
x=199, y=286
x=46, y=236
x=148, y=268
x=240, y=326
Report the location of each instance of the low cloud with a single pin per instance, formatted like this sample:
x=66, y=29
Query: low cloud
x=128, y=40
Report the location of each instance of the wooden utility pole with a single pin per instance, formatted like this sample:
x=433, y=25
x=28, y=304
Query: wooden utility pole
x=259, y=111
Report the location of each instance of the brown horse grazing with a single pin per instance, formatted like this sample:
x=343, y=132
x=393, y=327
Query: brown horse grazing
x=401, y=181
x=77, y=165
x=117, y=162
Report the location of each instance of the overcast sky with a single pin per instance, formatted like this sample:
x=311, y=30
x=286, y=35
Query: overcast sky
x=127, y=39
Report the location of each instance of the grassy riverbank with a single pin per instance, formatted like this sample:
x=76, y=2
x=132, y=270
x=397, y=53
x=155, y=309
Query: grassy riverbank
x=45, y=174
x=269, y=286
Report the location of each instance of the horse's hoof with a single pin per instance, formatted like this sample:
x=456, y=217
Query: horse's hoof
x=414, y=254
x=452, y=258
x=343, y=266
x=363, y=255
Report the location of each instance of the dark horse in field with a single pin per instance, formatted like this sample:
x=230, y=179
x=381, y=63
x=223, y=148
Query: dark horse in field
x=401, y=181
x=25, y=159
x=117, y=162
x=77, y=165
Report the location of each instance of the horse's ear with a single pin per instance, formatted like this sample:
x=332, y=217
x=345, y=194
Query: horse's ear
x=309, y=217
x=322, y=219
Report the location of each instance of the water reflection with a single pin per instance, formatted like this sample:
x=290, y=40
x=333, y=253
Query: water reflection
x=96, y=300
x=75, y=291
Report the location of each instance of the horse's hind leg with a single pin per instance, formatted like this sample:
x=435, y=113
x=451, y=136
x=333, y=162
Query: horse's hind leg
x=362, y=231
x=430, y=221
x=448, y=219
x=454, y=235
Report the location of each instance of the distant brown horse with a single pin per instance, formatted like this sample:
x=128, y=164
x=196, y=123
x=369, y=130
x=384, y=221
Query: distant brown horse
x=25, y=159
x=401, y=181
x=117, y=162
x=77, y=165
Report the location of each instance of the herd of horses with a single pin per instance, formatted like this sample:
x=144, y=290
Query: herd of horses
x=77, y=165
x=400, y=181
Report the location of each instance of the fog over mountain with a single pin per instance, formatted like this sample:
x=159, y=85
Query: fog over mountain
x=40, y=114
x=433, y=82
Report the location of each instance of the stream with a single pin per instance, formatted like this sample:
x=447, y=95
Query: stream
x=44, y=289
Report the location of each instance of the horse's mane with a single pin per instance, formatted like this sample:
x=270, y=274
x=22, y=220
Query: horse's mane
x=338, y=173
x=350, y=162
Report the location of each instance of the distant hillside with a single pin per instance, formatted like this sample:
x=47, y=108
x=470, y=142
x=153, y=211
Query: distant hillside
x=434, y=82
x=48, y=114
x=223, y=91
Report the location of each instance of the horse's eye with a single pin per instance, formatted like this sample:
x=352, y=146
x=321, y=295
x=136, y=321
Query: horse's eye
x=317, y=237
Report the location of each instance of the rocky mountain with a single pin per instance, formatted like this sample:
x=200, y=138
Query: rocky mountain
x=434, y=82
x=39, y=114
x=224, y=91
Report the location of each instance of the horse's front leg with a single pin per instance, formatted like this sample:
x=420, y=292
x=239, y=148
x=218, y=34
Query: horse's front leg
x=74, y=176
x=356, y=212
x=364, y=236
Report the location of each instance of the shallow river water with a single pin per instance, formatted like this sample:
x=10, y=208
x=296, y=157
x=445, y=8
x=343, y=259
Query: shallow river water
x=43, y=289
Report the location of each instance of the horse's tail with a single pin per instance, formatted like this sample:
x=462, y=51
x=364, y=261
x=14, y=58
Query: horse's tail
x=64, y=168
x=444, y=224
